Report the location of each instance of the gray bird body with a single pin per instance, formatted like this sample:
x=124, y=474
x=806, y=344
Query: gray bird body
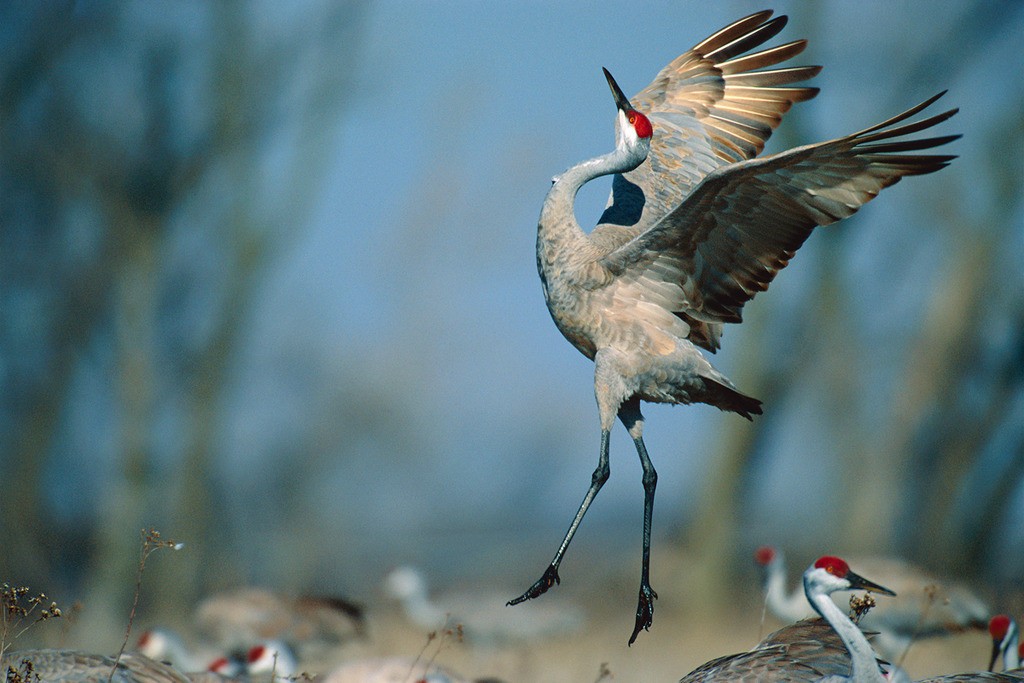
x=70, y=666
x=694, y=228
x=715, y=228
x=805, y=651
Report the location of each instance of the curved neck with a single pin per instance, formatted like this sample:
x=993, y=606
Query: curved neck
x=558, y=231
x=792, y=607
x=863, y=661
x=1011, y=655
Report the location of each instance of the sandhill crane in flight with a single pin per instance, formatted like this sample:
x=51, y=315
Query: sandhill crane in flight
x=695, y=227
x=926, y=607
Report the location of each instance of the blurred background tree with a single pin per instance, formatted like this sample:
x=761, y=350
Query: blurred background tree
x=146, y=191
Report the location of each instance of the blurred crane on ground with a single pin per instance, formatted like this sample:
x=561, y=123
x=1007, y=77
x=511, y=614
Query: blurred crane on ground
x=165, y=645
x=480, y=615
x=274, y=662
x=694, y=228
x=235, y=619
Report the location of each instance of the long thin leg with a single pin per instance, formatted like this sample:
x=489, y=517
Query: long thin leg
x=630, y=415
x=597, y=480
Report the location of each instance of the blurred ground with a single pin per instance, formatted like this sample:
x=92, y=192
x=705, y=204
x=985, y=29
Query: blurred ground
x=688, y=630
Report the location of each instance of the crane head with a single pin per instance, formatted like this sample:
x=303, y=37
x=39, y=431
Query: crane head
x=833, y=574
x=999, y=626
x=631, y=118
x=764, y=555
x=225, y=666
x=271, y=656
x=1003, y=630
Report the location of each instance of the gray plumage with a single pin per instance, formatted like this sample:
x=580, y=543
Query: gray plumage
x=70, y=666
x=695, y=227
x=805, y=651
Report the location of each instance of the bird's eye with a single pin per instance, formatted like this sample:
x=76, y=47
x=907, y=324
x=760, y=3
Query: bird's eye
x=632, y=119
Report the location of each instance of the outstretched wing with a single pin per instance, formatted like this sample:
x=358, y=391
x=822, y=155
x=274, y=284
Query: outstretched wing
x=744, y=222
x=709, y=108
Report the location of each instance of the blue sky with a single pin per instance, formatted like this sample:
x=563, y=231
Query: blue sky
x=420, y=253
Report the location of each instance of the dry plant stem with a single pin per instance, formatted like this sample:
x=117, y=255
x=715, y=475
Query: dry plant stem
x=13, y=613
x=859, y=607
x=931, y=591
x=430, y=638
x=150, y=542
x=445, y=632
x=445, y=641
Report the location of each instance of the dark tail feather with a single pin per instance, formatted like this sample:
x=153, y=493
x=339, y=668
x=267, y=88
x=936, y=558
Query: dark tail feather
x=726, y=398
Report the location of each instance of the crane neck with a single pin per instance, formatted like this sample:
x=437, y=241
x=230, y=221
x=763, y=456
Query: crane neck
x=863, y=661
x=1011, y=655
x=558, y=231
x=791, y=606
x=418, y=607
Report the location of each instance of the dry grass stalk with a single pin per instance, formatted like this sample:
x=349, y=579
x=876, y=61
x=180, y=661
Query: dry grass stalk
x=151, y=542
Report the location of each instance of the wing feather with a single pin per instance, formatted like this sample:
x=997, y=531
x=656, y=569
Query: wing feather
x=709, y=109
x=745, y=221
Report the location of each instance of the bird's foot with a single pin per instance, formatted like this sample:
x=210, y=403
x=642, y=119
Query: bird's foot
x=644, y=610
x=545, y=582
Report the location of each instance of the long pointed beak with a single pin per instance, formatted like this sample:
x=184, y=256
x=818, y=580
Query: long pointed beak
x=620, y=99
x=996, y=649
x=859, y=582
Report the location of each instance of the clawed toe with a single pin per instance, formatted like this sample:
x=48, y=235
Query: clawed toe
x=549, y=579
x=644, y=611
